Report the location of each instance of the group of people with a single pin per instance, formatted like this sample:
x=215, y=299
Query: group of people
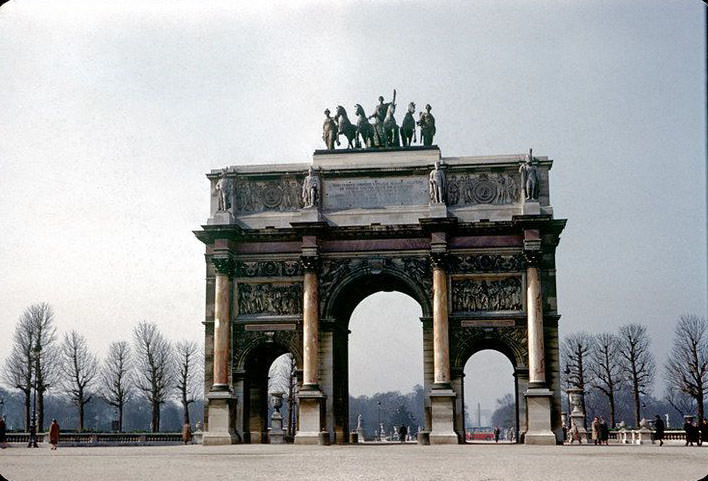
x=696, y=432
x=600, y=431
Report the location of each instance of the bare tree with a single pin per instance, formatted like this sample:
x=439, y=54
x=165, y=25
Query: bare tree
x=188, y=383
x=687, y=367
x=79, y=368
x=680, y=401
x=606, y=368
x=17, y=372
x=46, y=359
x=32, y=362
x=115, y=376
x=576, y=351
x=153, y=367
x=637, y=362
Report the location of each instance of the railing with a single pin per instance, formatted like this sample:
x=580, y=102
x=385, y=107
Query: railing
x=106, y=439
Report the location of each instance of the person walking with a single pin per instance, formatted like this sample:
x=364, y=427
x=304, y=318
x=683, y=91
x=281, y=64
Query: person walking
x=604, y=432
x=3, y=434
x=402, y=432
x=659, y=430
x=596, y=431
x=704, y=432
x=54, y=435
x=574, y=433
x=496, y=434
x=186, y=433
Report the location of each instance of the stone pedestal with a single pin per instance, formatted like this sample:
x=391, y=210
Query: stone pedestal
x=222, y=407
x=538, y=405
x=221, y=217
x=438, y=211
x=531, y=207
x=310, y=412
x=309, y=214
x=442, y=403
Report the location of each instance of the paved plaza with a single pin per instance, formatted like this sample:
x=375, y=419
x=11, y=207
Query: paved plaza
x=391, y=462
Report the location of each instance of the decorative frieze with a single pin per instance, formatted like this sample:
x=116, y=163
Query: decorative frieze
x=284, y=194
x=472, y=295
x=268, y=268
x=487, y=263
x=273, y=299
x=472, y=189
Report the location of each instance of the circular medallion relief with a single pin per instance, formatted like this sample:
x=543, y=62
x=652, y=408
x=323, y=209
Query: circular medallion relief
x=484, y=191
x=272, y=196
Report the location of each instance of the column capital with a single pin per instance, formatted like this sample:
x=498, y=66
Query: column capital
x=224, y=265
x=310, y=263
x=533, y=257
x=439, y=259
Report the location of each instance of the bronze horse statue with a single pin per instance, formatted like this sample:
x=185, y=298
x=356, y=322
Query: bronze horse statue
x=390, y=128
x=364, y=129
x=345, y=127
x=408, y=126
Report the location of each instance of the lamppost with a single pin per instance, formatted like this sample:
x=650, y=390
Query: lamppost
x=33, y=370
x=378, y=410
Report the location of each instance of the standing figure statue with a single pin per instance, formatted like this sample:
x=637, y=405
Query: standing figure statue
x=529, y=178
x=427, y=126
x=311, y=189
x=364, y=129
x=408, y=126
x=379, y=116
x=329, y=131
x=223, y=191
x=345, y=127
x=437, y=185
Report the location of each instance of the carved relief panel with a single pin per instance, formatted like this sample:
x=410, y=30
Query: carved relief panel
x=276, y=299
x=282, y=194
x=474, y=189
x=487, y=294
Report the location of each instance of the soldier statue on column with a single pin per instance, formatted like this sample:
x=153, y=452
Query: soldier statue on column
x=529, y=178
x=223, y=191
x=311, y=189
x=437, y=185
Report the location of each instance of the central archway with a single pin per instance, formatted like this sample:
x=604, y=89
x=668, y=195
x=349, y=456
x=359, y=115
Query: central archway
x=340, y=300
x=385, y=365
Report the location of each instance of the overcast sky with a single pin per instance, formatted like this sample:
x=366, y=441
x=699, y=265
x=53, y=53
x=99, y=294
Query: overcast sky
x=111, y=113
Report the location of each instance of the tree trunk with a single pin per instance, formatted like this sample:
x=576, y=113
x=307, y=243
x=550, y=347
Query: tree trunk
x=40, y=411
x=155, y=427
x=120, y=418
x=81, y=414
x=699, y=401
x=185, y=406
x=611, y=401
x=636, y=401
x=28, y=414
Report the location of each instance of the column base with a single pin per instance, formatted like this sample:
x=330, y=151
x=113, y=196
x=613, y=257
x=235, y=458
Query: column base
x=442, y=404
x=220, y=431
x=538, y=417
x=311, y=417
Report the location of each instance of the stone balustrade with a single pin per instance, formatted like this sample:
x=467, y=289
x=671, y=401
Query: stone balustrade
x=107, y=439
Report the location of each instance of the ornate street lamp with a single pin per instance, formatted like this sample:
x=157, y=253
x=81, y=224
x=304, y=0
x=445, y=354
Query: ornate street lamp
x=378, y=409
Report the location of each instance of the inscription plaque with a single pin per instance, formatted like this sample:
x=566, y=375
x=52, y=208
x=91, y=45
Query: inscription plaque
x=370, y=193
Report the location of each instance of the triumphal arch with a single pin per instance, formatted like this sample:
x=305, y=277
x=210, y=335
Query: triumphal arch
x=291, y=249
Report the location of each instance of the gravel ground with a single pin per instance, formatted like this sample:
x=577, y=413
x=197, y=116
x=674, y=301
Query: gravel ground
x=388, y=462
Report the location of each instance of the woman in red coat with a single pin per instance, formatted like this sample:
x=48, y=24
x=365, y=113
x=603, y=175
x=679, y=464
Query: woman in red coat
x=54, y=434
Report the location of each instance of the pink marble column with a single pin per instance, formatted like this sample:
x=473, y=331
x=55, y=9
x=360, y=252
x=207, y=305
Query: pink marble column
x=534, y=307
x=222, y=323
x=310, y=324
x=441, y=339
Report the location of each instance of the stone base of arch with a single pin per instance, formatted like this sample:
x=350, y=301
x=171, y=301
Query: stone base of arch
x=311, y=414
x=220, y=431
x=538, y=412
x=442, y=407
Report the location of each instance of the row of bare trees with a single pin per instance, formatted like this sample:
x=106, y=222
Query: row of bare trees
x=152, y=368
x=614, y=363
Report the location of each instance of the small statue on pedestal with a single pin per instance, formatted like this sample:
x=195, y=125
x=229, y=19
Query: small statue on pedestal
x=223, y=191
x=437, y=185
x=311, y=189
x=529, y=178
